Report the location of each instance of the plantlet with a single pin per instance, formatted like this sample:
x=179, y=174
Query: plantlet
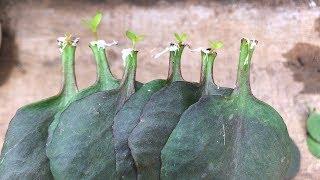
x=231, y=137
x=134, y=38
x=23, y=154
x=313, y=129
x=82, y=146
x=215, y=45
x=93, y=24
x=180, y=38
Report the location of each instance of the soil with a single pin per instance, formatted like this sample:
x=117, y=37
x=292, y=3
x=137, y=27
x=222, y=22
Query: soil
x=286, y=62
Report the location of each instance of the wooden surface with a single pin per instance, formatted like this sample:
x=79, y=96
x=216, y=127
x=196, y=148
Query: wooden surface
x=286, y=63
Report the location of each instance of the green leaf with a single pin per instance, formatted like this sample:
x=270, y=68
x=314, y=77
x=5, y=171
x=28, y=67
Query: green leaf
x=83, y=140
x=181, y=38
x=313, y=129
x=94, y=22
x=162, y=110
x=25, y=142
x=232, y=137
x=313, y=125
x=215, y=45
x=129, y=116
x=23, y=155
x=133, y=37
x=156, y=124
x=105, y=81
x=313, y=146
x=157, y=121
x=125, y=121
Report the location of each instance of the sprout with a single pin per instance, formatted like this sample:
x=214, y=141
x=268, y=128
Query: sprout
x=214, y=45
x=134, y=38
x=94, y=23
x=180, y=38
x=67, y=39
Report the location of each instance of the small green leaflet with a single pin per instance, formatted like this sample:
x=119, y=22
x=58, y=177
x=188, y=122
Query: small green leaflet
x=313, y=146
x=134, y=38
x=214, y=45
x=94, y=22
x=180, y=38
x=313, y=129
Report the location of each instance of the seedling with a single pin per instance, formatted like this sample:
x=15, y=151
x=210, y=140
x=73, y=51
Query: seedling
x=180, y=38
x=134, y=38
x=94, y=23
x=215, y=45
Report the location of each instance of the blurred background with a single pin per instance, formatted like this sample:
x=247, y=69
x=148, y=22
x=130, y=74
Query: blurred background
x=286, y=62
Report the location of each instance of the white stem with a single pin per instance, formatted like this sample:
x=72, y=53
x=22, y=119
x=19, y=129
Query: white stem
x=172, y=47
x=199, y=49
x=125, y=53
x=102, y=44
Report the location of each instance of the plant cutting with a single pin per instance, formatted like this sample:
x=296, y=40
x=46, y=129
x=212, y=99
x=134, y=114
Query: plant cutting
x=231, y=137
x=161, y=114
x=23, y=154
x=105, y=79
x=165, y=129
x=313, y=130
x=82, y=143
x=128, y=117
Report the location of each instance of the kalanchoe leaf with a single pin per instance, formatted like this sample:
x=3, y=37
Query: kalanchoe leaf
x=313, y=146
x=161, y=114
x=180, y=38
x=134, y=38
x=313, y=125
x=23, y=155
x=128, y=117
x=233, y=137
x=82, y=143
x=94, y=23
x=105, y=81
x=313, y=130
x=125, y=121
x=216, y=45
x=158, y=119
